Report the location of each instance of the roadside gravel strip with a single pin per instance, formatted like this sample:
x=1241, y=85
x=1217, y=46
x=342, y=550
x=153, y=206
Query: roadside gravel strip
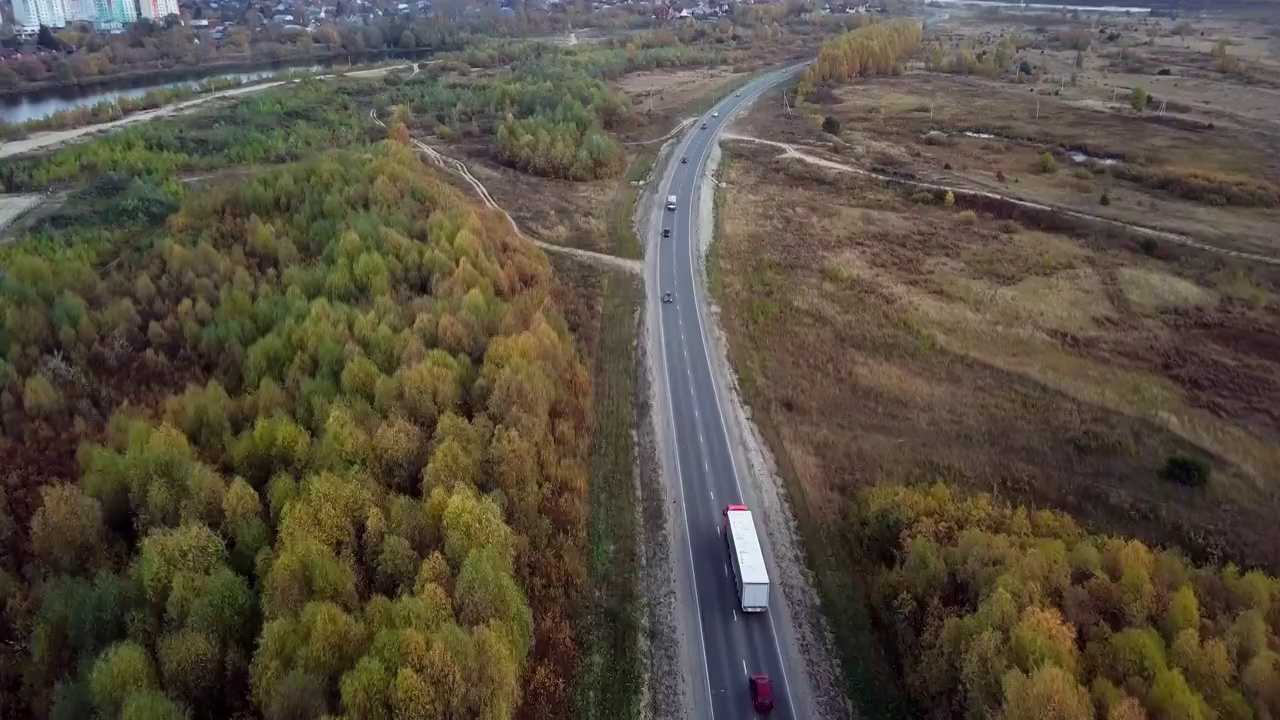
x=799, y=625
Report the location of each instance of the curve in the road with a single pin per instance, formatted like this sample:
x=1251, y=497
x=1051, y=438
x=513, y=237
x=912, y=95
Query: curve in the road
x=732, y=645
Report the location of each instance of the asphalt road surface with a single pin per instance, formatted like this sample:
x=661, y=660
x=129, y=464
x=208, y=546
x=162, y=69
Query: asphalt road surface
x=733, y=645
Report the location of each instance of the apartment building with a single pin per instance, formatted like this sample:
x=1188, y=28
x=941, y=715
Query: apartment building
x=158, y=9
x=29, y=15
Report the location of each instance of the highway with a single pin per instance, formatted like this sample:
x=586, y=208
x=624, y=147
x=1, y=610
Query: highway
x=729, y=645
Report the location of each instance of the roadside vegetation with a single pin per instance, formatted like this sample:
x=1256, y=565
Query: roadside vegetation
x=552, y=111
x=601, y=308
x=1024, y=615
x=319, y=449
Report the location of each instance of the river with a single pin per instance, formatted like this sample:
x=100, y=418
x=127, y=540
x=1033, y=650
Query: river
x=30, y=107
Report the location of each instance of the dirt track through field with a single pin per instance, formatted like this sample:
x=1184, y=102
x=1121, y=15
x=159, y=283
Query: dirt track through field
x=459, y=167
x=792, y=151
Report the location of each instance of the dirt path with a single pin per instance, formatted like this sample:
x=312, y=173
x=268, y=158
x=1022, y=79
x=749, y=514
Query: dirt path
x=12, y=206
x=459, y=167
x=679, y=126
x=56, y=137
x=792, y=151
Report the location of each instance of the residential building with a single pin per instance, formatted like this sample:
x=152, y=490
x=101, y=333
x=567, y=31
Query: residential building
x=158, y=9
x=29, y=15
x=80, y=10
x=114, y=14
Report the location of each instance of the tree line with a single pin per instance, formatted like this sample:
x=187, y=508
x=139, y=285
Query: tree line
x=875, y=49
x=318, y=449
x=997, y=611
x=79, y=54
x=550, y=110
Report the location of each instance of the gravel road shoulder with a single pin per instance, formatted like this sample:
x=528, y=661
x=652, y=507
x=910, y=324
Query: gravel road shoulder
x=798, y=623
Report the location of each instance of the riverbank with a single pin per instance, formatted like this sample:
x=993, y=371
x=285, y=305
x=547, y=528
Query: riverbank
x=40, y=141
x=153, y=76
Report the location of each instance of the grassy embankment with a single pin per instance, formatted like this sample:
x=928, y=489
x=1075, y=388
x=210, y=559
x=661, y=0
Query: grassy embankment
x=602, y=314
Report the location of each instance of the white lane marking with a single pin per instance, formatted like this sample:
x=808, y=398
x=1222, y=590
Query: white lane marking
x=713, y=496
x=684, y=511
x=662, y=343
x=697, y=311
x=735, y=614
x=744, y=666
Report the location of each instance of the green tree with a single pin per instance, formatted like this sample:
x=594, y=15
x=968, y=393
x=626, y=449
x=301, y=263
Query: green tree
x=190, y=665
x=125, y=668
x=1182, y=613
x=40, y=398
x=151, y=705
x=1049, y=693
x=1139, y=98
x=67, y=532
x=366, y=690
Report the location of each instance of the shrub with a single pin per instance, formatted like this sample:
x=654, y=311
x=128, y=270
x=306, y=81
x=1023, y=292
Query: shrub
x=950, y=199
x=1010, y=227
x=967, y=218
x=1000, y=175
x=1164, y=71
x=830, y=125
x=934, y=137
x=1082, y=173
x=1149, y=245
x=1106, y=198
x=1187, y=470
x=924, y=197
x=1139, y=98
x=1048, y=165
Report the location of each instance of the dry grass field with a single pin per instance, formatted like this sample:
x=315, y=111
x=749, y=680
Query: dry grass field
x=887, y=341
x=885, y=333
x=880, y=340
x=1206, y=167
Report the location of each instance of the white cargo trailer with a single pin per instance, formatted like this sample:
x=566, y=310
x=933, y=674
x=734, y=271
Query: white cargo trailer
x=748, y=561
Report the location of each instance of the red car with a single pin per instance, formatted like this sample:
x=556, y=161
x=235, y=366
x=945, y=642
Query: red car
x=761, y=692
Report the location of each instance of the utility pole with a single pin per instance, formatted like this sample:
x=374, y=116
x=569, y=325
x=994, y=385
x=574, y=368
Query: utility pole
x=931, y=110
x=1163, y=103
x=1114, y=91
x=786, y=106
x=1037, y=107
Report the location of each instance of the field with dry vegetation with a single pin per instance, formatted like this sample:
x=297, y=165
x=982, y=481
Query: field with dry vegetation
x=1198, y=158
x=1037, y=261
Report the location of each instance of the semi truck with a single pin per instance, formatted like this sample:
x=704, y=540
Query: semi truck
x=749, y=572
x=671, y=202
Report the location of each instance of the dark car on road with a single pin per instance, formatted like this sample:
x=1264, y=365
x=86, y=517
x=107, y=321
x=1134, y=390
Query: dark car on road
x=668, y=297
x=761, y=693
x=666, y=232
